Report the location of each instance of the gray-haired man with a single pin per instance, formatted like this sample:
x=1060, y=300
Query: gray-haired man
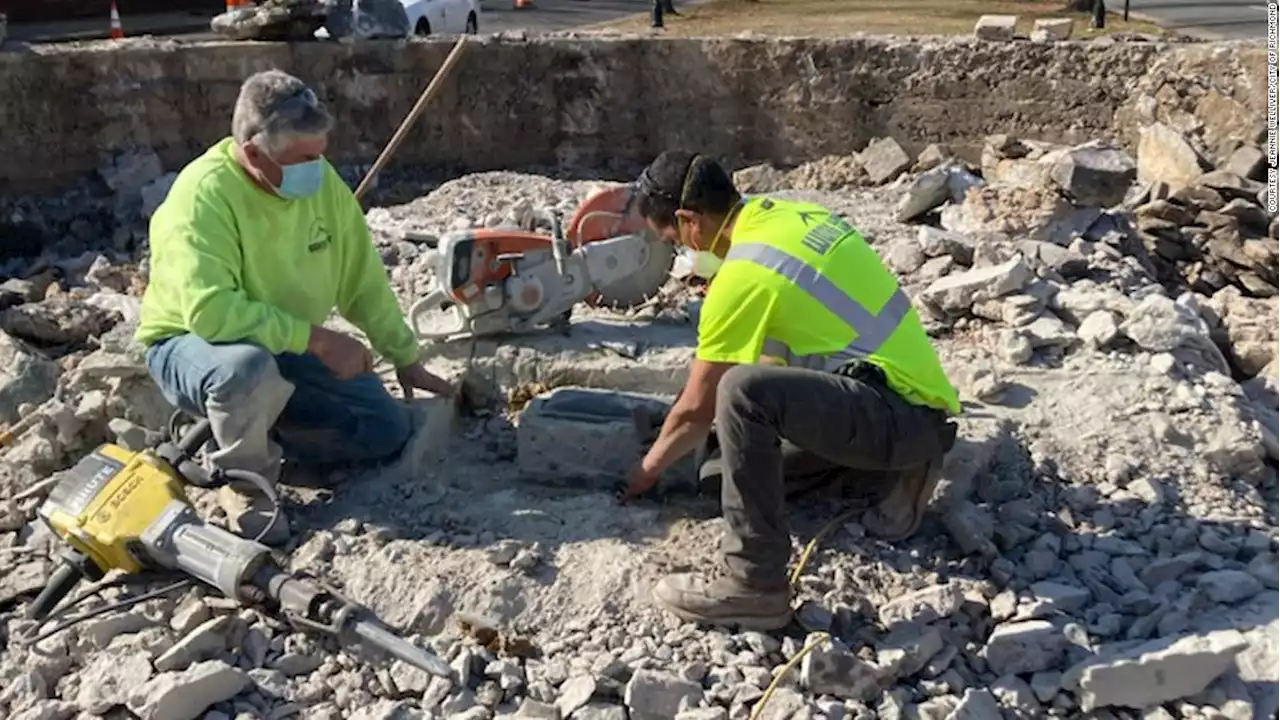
x=258, y=241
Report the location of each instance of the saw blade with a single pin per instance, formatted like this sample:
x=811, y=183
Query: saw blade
x=639, y=286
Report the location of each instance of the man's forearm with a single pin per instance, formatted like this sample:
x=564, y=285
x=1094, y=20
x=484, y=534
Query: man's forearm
x=681, y=434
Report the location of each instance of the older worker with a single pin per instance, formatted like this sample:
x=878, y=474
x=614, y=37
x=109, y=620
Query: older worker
x=258, y=241
x=804, y=337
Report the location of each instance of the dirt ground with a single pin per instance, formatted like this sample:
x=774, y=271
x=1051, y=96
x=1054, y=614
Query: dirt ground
x=847, y=17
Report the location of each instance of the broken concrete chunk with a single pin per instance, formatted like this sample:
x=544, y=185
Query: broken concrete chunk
x=1048, y=29
x=1099, y=329
x=929, y=191
x=923, y=606
x=1094, y=175
x=654, y=695
x=938, y=243
x=832, y=671
x=1164, y=156
x=186, y=695
x=995, y=27
x=957, y=292
x=1247, y=162
x=1024, y=647
x=884, y=160
x=1159, y=324
x=977, y=704
x=1155, y=672
x=25, y=377
x=1228, y=586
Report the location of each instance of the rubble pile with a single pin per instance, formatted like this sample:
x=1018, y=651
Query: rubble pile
x=300, y=19
x=1103, y=543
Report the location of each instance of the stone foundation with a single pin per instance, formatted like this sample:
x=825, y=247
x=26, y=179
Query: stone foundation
x=613, y=103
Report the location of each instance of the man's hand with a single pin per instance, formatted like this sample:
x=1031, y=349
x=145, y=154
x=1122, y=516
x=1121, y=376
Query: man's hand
x=639, y=482
x=416, y=376
x=345, y=356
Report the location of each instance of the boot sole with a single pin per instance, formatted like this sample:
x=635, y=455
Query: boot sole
x=749, y=622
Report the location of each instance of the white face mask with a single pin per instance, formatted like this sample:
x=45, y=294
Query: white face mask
x=706, y=264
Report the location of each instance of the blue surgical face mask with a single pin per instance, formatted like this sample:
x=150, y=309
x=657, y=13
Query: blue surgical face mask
x=300, y=180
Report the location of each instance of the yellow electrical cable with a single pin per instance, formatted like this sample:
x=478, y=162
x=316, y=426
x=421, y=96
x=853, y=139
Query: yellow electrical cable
x=822, y=636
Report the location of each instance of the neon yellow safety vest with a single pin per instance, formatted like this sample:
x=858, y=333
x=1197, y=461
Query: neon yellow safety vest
x=800, y=284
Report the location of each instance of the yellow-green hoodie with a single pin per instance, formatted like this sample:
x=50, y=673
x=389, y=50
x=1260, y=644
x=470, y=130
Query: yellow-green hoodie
x=231, y=262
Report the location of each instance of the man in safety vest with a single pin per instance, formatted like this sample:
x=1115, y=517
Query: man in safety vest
x=804, y=337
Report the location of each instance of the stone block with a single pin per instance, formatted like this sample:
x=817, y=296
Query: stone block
x=586, y=435
x=884, y=159
x=995, y=27
x=653, y=695
x=1164, y=156
x=1155, y=672
x=1050, y=29
x=1024, y=647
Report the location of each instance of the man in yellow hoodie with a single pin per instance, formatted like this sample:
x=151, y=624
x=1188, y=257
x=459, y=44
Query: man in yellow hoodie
x=258, y=241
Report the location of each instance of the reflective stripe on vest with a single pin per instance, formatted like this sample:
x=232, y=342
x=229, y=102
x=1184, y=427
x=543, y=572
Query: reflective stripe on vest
x=872, y=329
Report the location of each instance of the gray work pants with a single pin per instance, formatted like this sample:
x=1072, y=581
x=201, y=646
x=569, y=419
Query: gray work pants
x=851, y=423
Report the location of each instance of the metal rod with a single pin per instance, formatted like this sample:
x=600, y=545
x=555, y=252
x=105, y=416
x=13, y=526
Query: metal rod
x=1126, y=10
x=432, y=89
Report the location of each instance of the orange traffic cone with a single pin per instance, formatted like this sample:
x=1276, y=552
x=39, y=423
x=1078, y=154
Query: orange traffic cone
x=117, y=30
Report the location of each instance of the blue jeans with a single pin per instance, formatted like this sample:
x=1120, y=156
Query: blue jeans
x=325, y=421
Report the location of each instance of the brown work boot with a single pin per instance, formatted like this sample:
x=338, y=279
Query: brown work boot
x=723, y=601
x=249, y=513
x=898, y=516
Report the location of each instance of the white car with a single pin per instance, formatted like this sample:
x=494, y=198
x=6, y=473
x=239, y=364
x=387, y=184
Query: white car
x=447, y=17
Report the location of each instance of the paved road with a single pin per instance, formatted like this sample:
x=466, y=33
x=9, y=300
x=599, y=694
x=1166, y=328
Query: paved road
x=1230, y=19
x=496, y=16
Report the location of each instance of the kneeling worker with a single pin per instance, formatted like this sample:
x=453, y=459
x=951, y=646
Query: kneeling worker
x=258, y=241
x=804, y=336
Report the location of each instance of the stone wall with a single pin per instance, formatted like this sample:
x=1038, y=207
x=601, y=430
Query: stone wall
x=605, y=102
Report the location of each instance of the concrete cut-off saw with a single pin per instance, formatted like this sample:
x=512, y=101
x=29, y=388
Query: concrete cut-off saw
x=509, y=280
x=128, y=511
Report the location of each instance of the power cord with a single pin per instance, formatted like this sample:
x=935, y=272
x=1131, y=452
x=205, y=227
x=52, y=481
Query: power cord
x=252, y=478
x=821, y=637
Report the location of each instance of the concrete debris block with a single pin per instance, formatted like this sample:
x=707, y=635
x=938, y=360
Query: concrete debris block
x=655, y=695
x=923, y=606
x=1094, y=175
x=1247, y=162
x=62, y=320
x=366, y=19
x=958, y=292
x=995, y=27
x=126, y=173
x=532, y=709
x=884, y=159
x=186, y=695
x=1049, y=29
x=1035, y=213
x=1099, y=329
x=1061, y=597
x=1048, y=330
x=154, y=193
x=47, y=710
x=1026, y=646
x=972, y=528
x=1250, y=326
x=711, y=713
x=602, y=711
x=1228, y=586
x=838, y=672
x=908, y=650
x=932, y=155
x=938, y=243
x=1158, y=324
x=579, y=435
x=26, y=377
x=763, y=178
x=202, y=643
x=1155, y=672
x=574, y=693
x=976, y=705
x=277, y=20
x=1164, y=156
x=928, y=191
